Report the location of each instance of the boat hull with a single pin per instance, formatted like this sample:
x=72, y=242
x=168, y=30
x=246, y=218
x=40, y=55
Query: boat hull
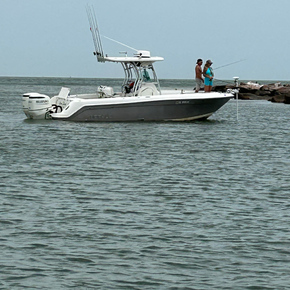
x=180, y=109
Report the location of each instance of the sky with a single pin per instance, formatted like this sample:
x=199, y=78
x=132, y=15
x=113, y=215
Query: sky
x=51, y=38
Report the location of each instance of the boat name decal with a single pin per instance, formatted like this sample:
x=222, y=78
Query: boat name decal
x=98, y=117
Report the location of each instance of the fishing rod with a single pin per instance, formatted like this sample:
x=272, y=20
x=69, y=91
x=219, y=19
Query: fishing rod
x=230, y=63
x=225, y=65
x=223, y=81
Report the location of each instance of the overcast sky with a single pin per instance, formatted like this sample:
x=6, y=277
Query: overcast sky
x=52, y=37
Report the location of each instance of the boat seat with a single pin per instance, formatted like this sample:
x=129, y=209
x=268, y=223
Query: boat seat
x=148, y=89
x=64, y=92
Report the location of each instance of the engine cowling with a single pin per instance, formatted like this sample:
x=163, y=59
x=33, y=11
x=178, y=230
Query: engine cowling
x=25, y=99
x=35, y=105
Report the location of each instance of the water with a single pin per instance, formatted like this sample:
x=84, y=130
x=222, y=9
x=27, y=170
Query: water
x=201, y=205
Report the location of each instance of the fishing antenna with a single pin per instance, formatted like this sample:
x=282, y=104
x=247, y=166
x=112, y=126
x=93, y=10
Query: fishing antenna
x=95, y=33
x=120, y=43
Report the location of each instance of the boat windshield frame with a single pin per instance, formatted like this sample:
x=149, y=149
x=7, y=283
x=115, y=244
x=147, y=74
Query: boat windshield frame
x=135, y=71
x=136, y=74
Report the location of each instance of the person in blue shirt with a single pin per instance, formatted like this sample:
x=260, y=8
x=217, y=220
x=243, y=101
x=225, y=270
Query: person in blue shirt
x=208, y=76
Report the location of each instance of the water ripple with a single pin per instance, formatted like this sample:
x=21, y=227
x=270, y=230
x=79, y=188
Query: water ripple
x=201, y=205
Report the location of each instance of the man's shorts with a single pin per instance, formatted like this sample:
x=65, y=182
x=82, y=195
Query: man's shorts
x=199, y=84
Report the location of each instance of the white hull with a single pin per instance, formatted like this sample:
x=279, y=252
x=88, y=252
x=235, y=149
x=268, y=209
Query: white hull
x=171, y=106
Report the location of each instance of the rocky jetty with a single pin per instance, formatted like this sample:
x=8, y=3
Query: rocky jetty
x=276, y=92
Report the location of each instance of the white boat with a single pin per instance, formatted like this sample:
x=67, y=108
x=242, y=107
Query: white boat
x=140, y=97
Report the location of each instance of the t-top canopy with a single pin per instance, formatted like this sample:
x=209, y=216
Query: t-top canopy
x=142, y=56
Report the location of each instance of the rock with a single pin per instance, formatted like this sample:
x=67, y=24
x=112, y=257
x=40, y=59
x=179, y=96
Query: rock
x=278, y=99
x=246, y=96
x=287, y=99
x=251, y=96
x=253, y=86
x=275, y=92
x=220, y=88
x=264, y=93
x=283, y=90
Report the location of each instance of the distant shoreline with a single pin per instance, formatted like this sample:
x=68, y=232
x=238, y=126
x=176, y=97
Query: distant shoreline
x=161, y=79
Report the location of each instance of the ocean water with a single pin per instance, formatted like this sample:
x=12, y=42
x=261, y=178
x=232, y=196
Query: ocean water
x=199, y=205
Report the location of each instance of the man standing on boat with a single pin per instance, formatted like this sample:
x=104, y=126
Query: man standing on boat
x=198, y=75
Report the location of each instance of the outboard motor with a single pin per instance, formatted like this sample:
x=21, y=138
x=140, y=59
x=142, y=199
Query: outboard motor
x=25, y=99
x=36, y=106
